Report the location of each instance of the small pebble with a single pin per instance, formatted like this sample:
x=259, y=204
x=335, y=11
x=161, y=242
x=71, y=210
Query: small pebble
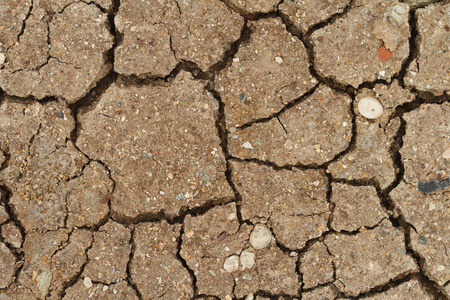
x=87, y=282
x=249, y=297
x=278, y=59
x=2, y=58
x=231, y=264
x=105, y=288
x=247, y=145
x=260, y=237
x=446, y=153
x=247, y=259
x=370, y=108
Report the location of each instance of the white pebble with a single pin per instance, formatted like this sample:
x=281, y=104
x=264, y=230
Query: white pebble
x=87, y=282
x=260, y=237
x=278, y=59
x=249, y=297
x=247, y=145
x=446, y=153
x=247, y=259
x=2, y=58
x=105, y=288
x=370, y=108
x=231, y=264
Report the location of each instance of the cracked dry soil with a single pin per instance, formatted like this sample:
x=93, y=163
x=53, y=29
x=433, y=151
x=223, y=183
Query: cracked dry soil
x=206, y=149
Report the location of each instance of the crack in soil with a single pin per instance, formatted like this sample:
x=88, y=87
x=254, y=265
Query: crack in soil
x=91, y=99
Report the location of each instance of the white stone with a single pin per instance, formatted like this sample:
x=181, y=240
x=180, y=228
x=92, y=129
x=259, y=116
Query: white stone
x=247, y=145
x=278, y=59
x=231, y=264
x=87, y=282
x=260, y=237
x=370, y=108
x=2, y=58
x=247, y=259
x=249, y=297
x=446, y=153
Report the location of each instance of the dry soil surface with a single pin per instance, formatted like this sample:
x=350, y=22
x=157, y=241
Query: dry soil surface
x=235, y=149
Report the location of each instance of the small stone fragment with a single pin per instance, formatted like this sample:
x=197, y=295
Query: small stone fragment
x=322, y=113
x=109, y=254
x=316, y=266
x=247, y=259
x=370, y=108
x=231, y=264
x=2, y=58
x=347, y=49
x=260, y=237
x=369, y=259
x=12, y=235
x=272, y=71
x=355, y=207
x=247, y=145
x=405, y=291
x=303, y=14
x=446, y=153
x=87, y=282
x=7, y=261
x=429, y=71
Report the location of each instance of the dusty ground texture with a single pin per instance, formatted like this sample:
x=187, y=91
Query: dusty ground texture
x=208, y=149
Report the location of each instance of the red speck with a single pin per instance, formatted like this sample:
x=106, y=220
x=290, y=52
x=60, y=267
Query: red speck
x=343, y=213
x=383, y=52
x=106, y=198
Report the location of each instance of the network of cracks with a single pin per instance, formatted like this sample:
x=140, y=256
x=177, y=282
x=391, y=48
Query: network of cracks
x=214, y=149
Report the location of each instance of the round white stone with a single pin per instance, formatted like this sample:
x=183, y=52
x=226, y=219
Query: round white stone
x=247, y=259
x=260, y=237
x=370, y=108
x=231, y=264
x=2, y=58
x=87, y=282
x=446, y=153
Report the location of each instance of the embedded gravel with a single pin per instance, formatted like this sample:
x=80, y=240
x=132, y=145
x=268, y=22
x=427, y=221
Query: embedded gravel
x=261, y=149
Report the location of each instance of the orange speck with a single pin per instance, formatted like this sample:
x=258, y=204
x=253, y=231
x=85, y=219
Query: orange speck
x=384, y=53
